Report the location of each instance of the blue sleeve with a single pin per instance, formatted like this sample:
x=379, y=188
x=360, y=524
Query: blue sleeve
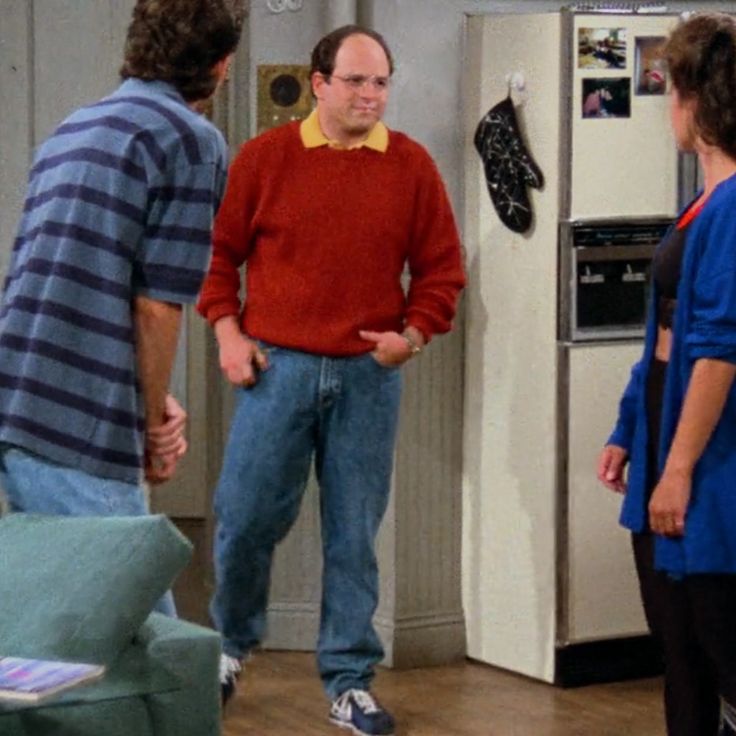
x=712, y=328
x=623, y=432
x=174, y=252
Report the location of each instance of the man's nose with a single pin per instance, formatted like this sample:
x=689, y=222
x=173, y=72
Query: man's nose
x=368, y=89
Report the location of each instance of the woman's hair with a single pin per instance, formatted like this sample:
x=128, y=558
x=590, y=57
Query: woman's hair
x=324, y=53
x=179, y=41
x=701, y=59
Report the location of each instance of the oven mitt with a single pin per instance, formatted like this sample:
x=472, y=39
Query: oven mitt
x=508, y=167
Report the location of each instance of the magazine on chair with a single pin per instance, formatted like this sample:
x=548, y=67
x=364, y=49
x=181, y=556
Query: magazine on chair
x=32, y=680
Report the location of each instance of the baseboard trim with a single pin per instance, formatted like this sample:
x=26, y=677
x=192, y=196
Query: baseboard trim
x=413, y=641
x=610, y=660
x=422, y=641
x=292, y=626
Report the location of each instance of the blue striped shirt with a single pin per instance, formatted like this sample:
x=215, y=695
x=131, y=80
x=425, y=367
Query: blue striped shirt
x=120, y=204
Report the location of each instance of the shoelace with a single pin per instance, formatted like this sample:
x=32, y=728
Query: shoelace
x=229, y=667
x=362, y=698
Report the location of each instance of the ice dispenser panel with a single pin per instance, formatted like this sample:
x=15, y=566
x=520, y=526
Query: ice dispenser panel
x=605, y=276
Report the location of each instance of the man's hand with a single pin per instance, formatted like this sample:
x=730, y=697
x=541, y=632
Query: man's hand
x=159, y=469
x=611, y=464
x=168, y=438
x=668, y=505
x=390, y=348
x=240, y=357
x=165, y=443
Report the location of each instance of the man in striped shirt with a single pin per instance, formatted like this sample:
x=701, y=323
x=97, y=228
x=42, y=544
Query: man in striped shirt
x=114, y=238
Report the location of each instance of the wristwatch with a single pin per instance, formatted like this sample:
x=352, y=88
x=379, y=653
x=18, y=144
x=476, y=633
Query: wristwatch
x=413, y=347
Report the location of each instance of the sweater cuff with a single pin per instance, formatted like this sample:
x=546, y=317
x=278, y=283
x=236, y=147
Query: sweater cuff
x=423, y=326
x=217, y=312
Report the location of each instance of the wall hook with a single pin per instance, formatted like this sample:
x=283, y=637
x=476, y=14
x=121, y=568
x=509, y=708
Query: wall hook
x=516, y=82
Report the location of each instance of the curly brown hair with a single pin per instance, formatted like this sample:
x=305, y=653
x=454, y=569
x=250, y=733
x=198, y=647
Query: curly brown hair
x=701, y=58
x=179, y=41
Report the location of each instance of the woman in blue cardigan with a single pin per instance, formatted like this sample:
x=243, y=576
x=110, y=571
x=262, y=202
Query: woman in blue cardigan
x=677, y=419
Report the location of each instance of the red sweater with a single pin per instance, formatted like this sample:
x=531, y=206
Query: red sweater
x=326, y=234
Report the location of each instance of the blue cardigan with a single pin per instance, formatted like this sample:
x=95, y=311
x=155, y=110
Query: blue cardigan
x=704, y=327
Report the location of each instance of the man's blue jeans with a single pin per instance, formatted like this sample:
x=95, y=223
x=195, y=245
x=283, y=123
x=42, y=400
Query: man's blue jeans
x=34, y=485
x=342, y=412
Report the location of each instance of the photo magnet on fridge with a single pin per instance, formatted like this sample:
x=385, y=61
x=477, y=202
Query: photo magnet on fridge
x=606, y=97
x=649, y=66
x=601, y=48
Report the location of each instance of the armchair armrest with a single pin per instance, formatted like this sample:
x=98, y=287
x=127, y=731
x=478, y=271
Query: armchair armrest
x=192, y=654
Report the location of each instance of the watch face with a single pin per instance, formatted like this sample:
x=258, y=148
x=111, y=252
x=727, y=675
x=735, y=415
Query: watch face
x=413, y=347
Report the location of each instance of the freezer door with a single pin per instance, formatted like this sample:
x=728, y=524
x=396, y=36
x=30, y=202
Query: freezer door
x=601, y=595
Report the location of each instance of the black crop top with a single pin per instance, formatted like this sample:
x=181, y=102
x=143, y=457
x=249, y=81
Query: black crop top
x=666, y=268
x=667, y=263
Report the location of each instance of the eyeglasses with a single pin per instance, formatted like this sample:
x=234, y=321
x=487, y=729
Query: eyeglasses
x=358, y=81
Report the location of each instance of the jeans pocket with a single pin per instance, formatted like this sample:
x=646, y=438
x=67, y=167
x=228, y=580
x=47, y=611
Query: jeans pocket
x=268, y=348
x=374, y=360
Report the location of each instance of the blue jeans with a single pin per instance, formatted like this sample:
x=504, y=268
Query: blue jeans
x=343, y=412
x=34, y=485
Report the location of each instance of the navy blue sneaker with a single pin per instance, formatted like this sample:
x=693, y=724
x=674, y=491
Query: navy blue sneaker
x=359, y=711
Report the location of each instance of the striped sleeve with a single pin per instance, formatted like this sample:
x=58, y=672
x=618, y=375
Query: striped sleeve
x=174, y=251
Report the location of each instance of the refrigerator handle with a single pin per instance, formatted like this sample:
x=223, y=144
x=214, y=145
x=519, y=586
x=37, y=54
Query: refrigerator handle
x=689, y=179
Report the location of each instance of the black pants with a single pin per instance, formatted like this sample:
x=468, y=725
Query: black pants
x=694, y=619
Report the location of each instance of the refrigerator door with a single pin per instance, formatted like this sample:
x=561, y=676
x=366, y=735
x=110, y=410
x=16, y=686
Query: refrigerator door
x=623, y=160
x=601, y=597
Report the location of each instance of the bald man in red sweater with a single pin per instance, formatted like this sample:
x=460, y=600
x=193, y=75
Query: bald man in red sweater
x=326, y=214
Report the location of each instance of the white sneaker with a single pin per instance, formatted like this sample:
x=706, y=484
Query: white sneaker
x=230, y=669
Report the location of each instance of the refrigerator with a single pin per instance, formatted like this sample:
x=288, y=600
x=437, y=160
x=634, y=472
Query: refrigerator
x=554, y=322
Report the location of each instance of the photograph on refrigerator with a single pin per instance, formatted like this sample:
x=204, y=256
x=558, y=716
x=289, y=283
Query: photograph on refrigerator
x=649, y=67
x=601, y=48
x=606, y=97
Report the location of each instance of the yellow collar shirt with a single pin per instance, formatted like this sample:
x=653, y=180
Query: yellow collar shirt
x=313, y=137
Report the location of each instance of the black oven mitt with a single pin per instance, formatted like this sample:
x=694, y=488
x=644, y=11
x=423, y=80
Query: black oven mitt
x=508, y=167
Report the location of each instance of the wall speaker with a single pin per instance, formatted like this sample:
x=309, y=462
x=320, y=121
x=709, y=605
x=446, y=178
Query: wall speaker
x=284, y=94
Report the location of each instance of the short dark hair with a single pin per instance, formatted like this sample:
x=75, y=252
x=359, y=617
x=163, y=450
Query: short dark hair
x=179, y=41
x=324, y=53
x=701, y=60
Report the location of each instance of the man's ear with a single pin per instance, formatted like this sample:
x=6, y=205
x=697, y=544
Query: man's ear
x=318, y=81
x=221, y=69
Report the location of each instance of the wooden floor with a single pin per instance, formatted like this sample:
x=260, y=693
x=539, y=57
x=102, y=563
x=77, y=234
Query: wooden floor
x=280, y=695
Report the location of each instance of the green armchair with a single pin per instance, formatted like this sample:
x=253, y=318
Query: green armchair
x=83, y=589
